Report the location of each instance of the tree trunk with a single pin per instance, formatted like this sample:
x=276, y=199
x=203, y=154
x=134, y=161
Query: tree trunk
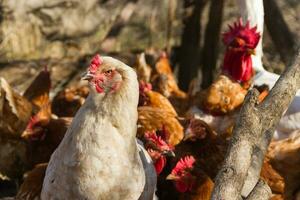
x=190, y=41
x=211, y=42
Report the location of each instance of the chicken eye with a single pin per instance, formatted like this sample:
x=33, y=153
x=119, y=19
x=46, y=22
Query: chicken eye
x=108, y=72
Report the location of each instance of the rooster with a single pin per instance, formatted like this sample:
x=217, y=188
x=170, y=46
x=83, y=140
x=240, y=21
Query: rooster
x=228, y=91
x=190, y=180
x=99, y=152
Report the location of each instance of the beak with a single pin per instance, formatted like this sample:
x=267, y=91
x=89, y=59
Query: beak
x=252, y=51
x=169, y=153
x=87, y=76
x=171, y=177
x=188, y=134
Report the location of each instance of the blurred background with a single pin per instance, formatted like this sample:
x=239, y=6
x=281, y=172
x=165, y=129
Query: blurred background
x=62, y=33
x=65, y=34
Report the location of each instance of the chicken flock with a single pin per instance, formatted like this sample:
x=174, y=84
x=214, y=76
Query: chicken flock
x=128, y=135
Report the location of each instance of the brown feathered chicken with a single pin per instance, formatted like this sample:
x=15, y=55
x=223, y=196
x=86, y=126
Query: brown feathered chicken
x=99, y=153
x=190, y=180
x=284, y=157
x=223, y=96
x=32, y=184
x=164, y=82
x=204, y=144
x=273, y=179
x=15, y=112
x=43, y=134
x=153, y=119
x=148, y=97
x=38, y=91
x=67, y=102
x=158, y=149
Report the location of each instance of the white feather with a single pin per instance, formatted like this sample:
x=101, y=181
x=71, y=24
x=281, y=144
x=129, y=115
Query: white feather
x=98, y=157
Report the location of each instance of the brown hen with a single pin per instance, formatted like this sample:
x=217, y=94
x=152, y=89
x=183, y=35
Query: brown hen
x=190, y=180
x=222, y=97
x=153, y=119
x=204, y=144
x=68, y=101
x=43, y=134
x=284, y=157
x=148, y=97
x=164, y=82
x=32, y=185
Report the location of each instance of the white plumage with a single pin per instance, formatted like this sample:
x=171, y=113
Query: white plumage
x=98, y=158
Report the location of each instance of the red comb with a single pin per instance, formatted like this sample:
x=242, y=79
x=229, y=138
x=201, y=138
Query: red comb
x=95, y=63
x=154, y=138
x=183, y=164
x=157, y=140
x=245, y=32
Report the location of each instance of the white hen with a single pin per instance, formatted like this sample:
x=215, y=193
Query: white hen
x=98, y=157
x=254, y=12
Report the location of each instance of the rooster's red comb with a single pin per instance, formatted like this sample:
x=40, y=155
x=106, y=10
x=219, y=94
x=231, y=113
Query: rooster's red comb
x=245, y=32
x=151, y=136
x=95, y=63
x=157, y=140
x=183, y=164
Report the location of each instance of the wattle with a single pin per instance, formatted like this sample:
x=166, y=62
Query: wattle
x=181, y=186
x=238, y=64
x=160, y=164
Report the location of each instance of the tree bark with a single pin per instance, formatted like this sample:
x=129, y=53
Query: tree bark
x=211, y=42
x=190, y=41
x=260, y=192
x=254, y=121
x=280, y=33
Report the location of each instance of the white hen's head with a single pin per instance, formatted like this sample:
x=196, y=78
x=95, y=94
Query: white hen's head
x=107, y=75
